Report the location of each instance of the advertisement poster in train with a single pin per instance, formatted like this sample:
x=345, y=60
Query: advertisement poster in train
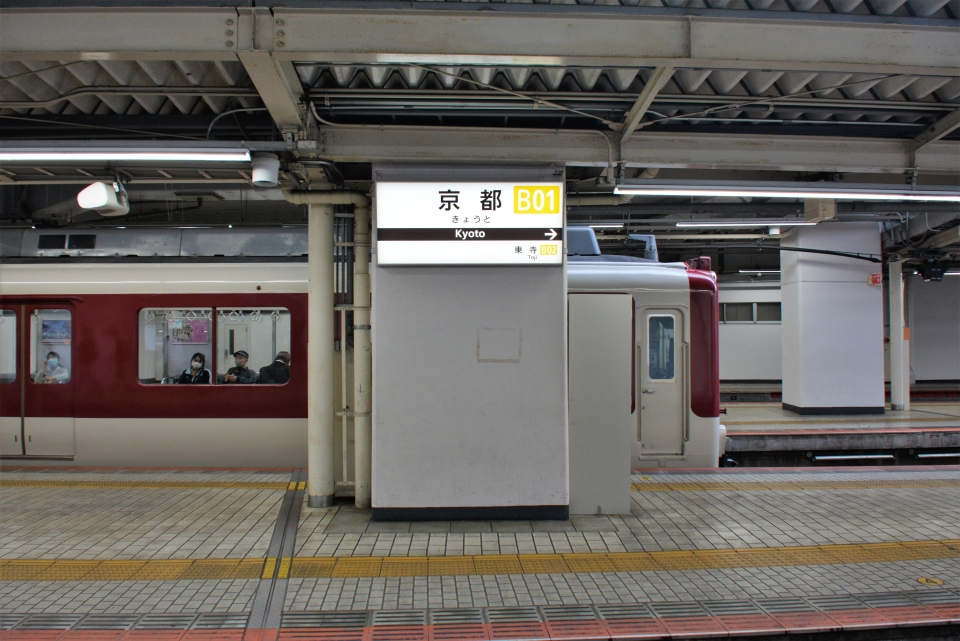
x=185, y=331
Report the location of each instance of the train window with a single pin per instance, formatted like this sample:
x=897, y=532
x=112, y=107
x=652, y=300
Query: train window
x=8, y=346
x=52, y=241
x=737, y=312
x=253, y=345
x=661, y=355
x=176, y=346
x=51, y=345
x=768, y=312
x=82, y=241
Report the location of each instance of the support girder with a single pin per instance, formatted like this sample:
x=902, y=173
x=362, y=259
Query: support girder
x=471, y=36
x=643, y=149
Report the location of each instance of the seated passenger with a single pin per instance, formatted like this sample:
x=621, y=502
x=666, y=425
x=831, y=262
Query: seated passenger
x=52, y=372
x=278, y=372
x=241, y=373
x=195, y=374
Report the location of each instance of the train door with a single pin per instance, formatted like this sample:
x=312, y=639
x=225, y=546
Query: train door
x=662, y=381
x=11, y=419
x=41, y=385
x=235, y=338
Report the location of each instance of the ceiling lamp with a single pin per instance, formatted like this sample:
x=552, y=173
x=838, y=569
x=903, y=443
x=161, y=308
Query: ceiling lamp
x=828, y=191
x=124, y=154
x=745, y=224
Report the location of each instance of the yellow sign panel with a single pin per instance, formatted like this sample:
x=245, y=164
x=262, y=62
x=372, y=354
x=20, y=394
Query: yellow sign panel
x=548, y=250
x=536, y=199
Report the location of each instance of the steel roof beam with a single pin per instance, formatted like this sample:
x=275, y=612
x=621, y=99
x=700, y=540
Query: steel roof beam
x=645, y=149
x=938, y=130
x=492, y=36
x=275, y=80
x=656, y=82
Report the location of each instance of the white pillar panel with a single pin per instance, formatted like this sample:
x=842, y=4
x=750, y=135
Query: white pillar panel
x=899, y=384
x=832, y=322
x=934, y=312
x=601, y=430
x=469, y=381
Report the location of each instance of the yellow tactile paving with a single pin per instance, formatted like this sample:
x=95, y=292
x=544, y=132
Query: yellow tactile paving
x=404, y=566
x=313, y=568
x=451, y=565
x=324, y=567
x=712, y=486
x=147, y=485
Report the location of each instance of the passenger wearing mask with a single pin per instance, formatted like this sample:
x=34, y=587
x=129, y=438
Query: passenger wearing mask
x=278, y=372
x=241, y=373
x=196, y=374
x=52, y=371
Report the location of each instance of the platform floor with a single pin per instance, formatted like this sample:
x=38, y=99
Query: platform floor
x=771, y=417
x=238, y=555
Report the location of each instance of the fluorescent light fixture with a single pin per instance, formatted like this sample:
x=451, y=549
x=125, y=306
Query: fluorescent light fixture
x=606, y=226
x=783, y=190
x=951, y=273
x=759, y=271
x=745, y=224
x=130, y=155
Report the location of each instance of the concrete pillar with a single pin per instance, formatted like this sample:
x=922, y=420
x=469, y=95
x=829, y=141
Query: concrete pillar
x=899, y=358
x=362, y=359
x=832, y=322
x=320, y=357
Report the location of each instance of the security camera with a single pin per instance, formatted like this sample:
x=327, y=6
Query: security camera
x=266, y=170
x=107, y=199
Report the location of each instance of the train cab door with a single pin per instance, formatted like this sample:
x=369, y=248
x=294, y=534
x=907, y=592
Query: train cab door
x=662, y=381
x=46, y=380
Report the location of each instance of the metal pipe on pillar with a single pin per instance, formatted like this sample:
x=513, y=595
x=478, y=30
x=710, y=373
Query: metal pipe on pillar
x=899, y=359
x=320, y=305
x=362, y=359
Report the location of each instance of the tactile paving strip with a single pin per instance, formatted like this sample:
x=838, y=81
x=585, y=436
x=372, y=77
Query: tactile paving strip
x=756, y=486
x=144, y=484
x=155, y=570
x=373, y=566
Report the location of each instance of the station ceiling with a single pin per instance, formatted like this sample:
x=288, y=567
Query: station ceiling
x=764, y=89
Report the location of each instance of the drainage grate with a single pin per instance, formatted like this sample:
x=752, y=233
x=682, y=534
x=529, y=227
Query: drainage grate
x=221, y=621
x=49, y=622
x=628, y=611
x=666, y=610
x=459, y=616
x=887, y=600
x=568, y=613
x=731, y=608
x=400, y=617
x=165, y=622
x=7, y=621
x=835, y=602
x=108, y=622
x=784, y=605
x=934, y=597
x=513, y=615
x=347, y=619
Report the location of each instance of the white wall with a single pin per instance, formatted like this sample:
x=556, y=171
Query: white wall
x=933, y=315
x=750, y=351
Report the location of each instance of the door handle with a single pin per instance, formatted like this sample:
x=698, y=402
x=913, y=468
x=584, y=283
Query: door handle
x=647, y=391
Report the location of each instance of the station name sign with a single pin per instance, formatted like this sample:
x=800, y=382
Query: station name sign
x=475, y=223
